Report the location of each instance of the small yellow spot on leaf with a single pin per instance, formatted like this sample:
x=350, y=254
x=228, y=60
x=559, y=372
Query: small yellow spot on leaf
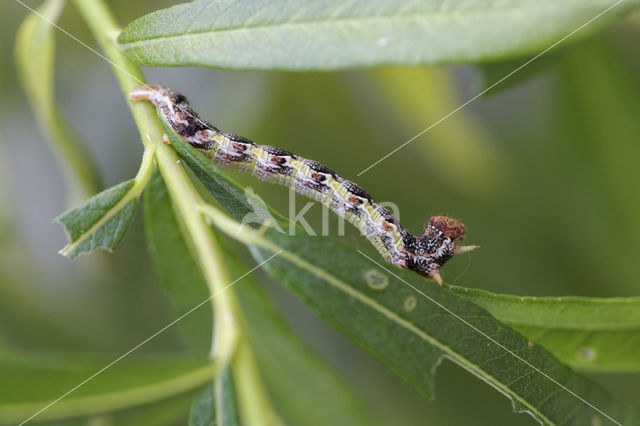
x=409, y=303
x=375, y=279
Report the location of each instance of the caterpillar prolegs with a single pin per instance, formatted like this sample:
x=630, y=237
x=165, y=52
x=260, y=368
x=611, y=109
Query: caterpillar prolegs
x=424, y=254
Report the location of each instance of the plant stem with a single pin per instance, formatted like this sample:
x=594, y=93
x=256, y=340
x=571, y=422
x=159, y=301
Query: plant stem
x=182, y=191
x=254, y=402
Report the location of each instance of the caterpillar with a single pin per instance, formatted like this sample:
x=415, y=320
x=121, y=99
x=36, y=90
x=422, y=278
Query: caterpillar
x=424, y=254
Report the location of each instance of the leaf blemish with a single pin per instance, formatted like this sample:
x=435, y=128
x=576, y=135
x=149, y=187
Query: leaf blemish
x=409, y=303
x=595, y=420
x=376, y=280
x=586, y=354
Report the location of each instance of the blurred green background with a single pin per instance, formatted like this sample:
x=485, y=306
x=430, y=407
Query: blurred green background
x=544, y=172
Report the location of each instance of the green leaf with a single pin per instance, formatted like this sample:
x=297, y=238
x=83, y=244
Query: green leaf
x=203, y=411
x=411, y=332
x=216, y=405
x=100, y=222
x=332, y=34
x=29, y=384
x=600, y=334
x=177, y=271
x=34, y=52
x=412, y=329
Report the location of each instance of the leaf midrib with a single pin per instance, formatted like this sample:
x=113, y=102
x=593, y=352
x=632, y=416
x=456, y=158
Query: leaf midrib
x=510, y=12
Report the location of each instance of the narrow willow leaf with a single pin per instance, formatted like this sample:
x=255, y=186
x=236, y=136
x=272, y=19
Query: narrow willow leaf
x=203, y=411
x=34, y=52
x=29, y=384
x=412, y=331
x=216, y=405
x=600, y=334
x=331, y=34
x=100, y=222
x=177, y=271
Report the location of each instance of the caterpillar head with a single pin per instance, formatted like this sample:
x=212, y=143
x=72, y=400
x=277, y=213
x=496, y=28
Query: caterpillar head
x=437, y=241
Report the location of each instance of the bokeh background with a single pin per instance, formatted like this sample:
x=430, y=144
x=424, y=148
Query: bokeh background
x=544, y=171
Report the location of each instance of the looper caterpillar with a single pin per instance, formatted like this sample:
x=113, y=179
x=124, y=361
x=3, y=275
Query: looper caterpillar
x=424, y=254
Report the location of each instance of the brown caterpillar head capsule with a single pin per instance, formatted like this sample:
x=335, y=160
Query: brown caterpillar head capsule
x=448, y=226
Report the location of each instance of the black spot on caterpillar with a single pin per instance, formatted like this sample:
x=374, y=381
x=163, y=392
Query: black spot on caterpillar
x=424, y=254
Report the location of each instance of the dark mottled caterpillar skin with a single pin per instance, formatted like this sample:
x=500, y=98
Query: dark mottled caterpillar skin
x=424, y=254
